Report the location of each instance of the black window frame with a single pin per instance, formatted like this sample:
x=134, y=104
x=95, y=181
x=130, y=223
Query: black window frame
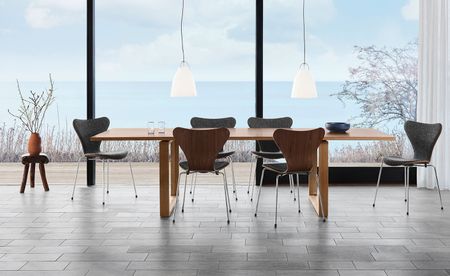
x=347, y=175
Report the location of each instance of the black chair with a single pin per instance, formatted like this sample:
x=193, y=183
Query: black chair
x=201, y=147
x=85, y=129
x=267, y=149
x=423, y=138
x=299, y=149
x=228, y=122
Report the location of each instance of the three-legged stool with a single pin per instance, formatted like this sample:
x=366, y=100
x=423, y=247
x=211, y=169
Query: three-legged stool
x=30, y=164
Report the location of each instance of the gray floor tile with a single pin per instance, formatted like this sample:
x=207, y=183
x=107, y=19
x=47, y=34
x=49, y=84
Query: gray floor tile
x=128, y=237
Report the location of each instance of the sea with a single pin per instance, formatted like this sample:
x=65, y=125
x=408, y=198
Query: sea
x=135, y=103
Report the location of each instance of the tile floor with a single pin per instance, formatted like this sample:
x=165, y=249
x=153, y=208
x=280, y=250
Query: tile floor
x=48, y=234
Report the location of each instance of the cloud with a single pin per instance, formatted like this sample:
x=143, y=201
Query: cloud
x=45, y=14
x=410, y=11
x=209, y=52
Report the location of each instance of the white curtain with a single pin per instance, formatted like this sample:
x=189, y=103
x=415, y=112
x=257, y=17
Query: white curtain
x=433, y=102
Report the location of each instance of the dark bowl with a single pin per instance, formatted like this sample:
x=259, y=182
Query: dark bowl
x=337, y=127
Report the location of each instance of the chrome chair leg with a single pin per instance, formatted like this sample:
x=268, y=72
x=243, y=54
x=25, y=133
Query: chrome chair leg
x=103, y=180
x=404, y=179
x=298, y=193
x=228, y=192
x=378, y=183
x=177, y=195
x=407, y=184
x=250, y=177
x=193, y=180
x=192, y=184
x=259, y=193
x=76, y=176
x=320, y=199
x=184, y=193
x=107, y=176
x=276, y=200
x=437, y=185
x=254, y=180
x=132, y=178
x=234, y=179
x=227, y=198
x=291, y=182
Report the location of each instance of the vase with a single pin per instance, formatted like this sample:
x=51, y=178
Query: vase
x=34, y=144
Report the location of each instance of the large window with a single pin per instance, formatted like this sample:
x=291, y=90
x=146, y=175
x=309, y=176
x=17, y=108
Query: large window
x=138, y=51
x=39, y=38
x=363, y=55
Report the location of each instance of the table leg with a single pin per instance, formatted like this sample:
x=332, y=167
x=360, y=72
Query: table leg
x=166, y=201
x=43, y=177
x=24, y=178
x=323, y=175
x=312, y=184
x=323, y=179
x=174, y=167
x=32, y=174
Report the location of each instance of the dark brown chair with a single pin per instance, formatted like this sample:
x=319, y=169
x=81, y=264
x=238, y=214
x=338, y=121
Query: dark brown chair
x=299, y=149
x=201, y=147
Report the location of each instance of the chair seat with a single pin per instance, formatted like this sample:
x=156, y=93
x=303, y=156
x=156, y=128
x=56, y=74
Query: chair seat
x=218, y=165
x=268, y=155
x=112, y=155
x=276, y=167
x=400, y=161
x=224, y=154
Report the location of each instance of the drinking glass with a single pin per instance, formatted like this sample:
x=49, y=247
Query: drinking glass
x=151, y=127
x=161, y=127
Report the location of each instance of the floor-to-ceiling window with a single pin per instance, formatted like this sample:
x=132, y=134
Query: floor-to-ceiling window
x=138, y=50
x=39, y=38
x=363, y=56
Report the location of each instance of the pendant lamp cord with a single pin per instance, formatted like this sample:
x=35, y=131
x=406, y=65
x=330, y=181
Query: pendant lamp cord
x=304, y=34
x=181, y=31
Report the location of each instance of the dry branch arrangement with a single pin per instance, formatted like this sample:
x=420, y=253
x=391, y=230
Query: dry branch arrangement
x=33, y=108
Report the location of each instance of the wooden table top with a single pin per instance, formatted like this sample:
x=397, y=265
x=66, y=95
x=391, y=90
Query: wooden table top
x=141, y=134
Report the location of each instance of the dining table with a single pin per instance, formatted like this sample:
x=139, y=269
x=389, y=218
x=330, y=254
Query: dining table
x=169, y=157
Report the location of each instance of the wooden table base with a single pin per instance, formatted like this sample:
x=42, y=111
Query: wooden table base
x=168, y=176
x=323, y=181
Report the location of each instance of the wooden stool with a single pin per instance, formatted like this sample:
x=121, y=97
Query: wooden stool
x=28, y=160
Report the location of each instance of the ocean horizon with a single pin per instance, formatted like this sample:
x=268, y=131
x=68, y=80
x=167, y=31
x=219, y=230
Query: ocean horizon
x=133, y=104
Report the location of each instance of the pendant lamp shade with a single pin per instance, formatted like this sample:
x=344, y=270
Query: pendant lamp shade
x=304, y=85
x=183, y=84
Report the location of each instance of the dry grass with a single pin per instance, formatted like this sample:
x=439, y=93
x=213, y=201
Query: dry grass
x=62, y=145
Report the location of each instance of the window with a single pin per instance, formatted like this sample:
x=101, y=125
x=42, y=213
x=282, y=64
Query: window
x=138, y=51
x=38, y=38
x=341, y=36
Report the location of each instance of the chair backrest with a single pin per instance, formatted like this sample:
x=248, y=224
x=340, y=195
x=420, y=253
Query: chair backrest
x=201, y=146
x=299, y=147
x=85, y=129
x=423, y=138
x=283, y=122
x=228, y=122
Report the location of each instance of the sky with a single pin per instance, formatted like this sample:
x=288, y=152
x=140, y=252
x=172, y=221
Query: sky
x=138, y=40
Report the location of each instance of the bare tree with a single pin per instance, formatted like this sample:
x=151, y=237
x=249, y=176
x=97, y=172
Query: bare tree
x=384, y=84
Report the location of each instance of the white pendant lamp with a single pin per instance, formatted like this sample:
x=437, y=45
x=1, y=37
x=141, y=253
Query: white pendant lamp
x=183, y=83
x=304, y=85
